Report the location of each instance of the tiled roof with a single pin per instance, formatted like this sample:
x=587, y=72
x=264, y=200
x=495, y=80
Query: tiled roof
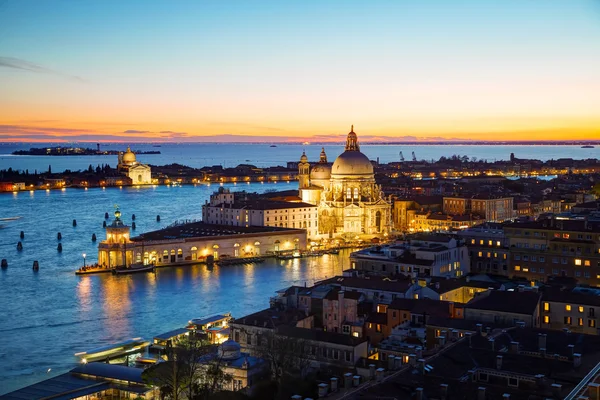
x=503, y=301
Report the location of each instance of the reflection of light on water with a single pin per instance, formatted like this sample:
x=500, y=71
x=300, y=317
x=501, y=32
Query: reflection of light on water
x=249, y=274
x=84, y=289
x=117, y=304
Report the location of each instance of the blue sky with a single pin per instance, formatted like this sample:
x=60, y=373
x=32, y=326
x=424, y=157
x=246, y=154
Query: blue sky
x=393, y=68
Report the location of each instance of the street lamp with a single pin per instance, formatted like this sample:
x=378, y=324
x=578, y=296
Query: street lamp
x=83, y=259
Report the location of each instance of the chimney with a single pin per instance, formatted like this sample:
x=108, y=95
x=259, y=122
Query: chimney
x=514, y=347
x=341, y=300
x=323, y=388
x=419, y=393
x=442, y=341
x=443, y=391
x=296, y=397
x=594, y=391
x=356, y=380
x=371, y=371
x=412, y=359
x=398, y=363
x=498, y=362
x=469, y=335
x=492, y=343
x=571, y=349
x=334, y=384
x=480, y=393
x=391, y=362
x=539, y=379
x=576, y=360
x=541, y=341
x=479, y=327
x=347, y=380
x=379, y=374
x=419, y=352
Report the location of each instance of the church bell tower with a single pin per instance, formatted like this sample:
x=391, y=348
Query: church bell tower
x=303, y=172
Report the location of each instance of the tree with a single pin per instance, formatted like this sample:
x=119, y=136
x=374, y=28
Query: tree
x=596, y=189
x=285, y=355
x=49, y=169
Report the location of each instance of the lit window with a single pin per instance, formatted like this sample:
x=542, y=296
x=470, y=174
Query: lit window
x=355, y=334
x=565, y=235
x=577, y=261
x=587, y=263
x=498, y=243
x=480, y=254
x=489, y=243
x=546, y=306
x=517, y=268
x=568, y=307
x=525, y=269
x=592, y=323
x=580, y=308
x=580, y=321
x=546, y=319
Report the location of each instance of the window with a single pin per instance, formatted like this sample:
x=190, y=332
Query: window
x=517, y=268
x=517, y=257
x=514, y=382
x=546, y=306
x=587, y=263
x=565, y=235
x=546, y=319
x=567, y=320
x=577, y=261
x=580, y=309
x=580, y=321
x=592, y=323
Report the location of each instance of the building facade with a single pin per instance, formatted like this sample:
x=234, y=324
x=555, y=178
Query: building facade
x=489, y=208
x=140, y=174
x=553, y=247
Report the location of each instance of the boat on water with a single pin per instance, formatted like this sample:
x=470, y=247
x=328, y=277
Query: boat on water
x=587, y=146
x=135, y=345
x=10, y=218
x=93, y=269
x=133, y=269
x=273, y=145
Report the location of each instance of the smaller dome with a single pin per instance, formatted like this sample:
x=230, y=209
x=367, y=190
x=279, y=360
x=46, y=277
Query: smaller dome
x=320, y=171
x=303, y=158
x=230, y=350
x=128, y=157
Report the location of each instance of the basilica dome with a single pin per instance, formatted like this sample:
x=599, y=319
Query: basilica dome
x=229, y=350
x=320, y=171
x=128, y=157
x=352, y=162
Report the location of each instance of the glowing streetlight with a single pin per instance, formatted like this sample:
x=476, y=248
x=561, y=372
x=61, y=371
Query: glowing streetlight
x=83, y=259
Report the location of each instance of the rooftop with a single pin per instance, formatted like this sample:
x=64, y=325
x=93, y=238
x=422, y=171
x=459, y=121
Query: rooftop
x=200, y=230
x=511, y=302
x=320, y=336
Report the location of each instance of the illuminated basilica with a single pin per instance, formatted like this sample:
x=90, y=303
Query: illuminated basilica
x=140, y=174
x=348, y=200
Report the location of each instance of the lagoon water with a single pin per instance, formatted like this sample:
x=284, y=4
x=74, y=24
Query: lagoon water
x=46, y=317
x=229, y=155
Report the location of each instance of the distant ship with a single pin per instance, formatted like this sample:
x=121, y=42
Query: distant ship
x=587, y=146
x=156, y=145
x=273, y=145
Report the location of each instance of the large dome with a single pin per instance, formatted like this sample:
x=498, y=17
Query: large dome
x=351, y=163
x=128, y=157
x=229, y=350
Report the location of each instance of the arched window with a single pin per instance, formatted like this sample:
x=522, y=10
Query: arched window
x=349, y=193
x=378, y=220
x=356, y=193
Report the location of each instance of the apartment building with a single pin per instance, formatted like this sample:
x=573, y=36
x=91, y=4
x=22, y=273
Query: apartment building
x=577, y=312
x=488, y=248
x=490, y=208
x=226, y=208
x=553, y=247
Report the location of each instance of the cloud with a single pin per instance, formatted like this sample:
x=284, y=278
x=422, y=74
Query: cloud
x=23, y=65
x=135, y=132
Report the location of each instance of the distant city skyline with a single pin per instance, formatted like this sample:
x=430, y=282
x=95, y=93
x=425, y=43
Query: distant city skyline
x=189, y=71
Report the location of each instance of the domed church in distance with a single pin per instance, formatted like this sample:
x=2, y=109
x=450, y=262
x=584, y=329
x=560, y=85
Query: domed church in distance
x=140, y=174
x=348, y=199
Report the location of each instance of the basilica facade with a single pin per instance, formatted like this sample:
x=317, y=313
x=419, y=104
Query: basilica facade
x=348, y=199
x=140, y=174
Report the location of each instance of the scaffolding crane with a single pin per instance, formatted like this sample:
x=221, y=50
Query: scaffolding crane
x=401, y=157
x=414, y=157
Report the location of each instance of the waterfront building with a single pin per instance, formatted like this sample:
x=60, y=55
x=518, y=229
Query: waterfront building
x=238, y=209
x=490, y=208
x=422, y=255
x=193, y=242
x=140, y=174
x=555, y=248
x=348, y=199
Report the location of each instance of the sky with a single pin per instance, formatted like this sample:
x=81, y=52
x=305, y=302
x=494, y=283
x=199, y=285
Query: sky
x=185, y=71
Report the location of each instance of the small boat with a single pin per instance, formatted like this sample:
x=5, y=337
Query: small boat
x=93, y=269
x=273, y=145
x=587, y=146
x=157, y=145
x=133, y=269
